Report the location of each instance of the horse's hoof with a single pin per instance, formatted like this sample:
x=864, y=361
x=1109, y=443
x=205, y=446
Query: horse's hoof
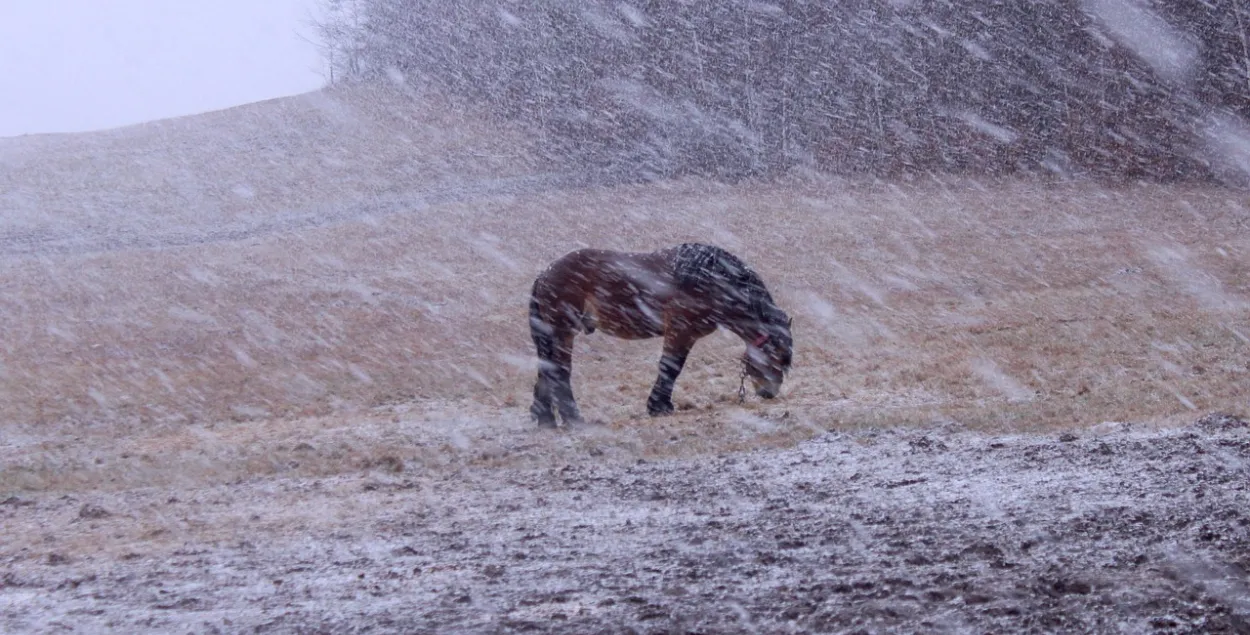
x=659, y=410
x=547, y=424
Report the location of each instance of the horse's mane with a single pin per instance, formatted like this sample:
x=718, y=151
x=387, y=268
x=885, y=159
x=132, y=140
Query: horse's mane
x=707, y=267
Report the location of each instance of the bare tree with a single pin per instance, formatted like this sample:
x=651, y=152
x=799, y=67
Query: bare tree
x=340, y=29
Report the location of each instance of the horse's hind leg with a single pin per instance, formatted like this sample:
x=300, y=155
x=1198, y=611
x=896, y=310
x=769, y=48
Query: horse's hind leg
x=543, y=409
x=563, y=380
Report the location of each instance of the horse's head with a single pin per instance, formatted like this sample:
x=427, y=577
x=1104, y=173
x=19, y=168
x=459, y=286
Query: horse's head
x=768, y=355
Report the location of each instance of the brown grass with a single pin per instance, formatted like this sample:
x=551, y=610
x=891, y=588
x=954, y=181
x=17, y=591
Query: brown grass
x=401, y=341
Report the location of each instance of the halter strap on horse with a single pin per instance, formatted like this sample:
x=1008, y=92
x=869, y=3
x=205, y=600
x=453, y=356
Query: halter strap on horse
x=742, y=375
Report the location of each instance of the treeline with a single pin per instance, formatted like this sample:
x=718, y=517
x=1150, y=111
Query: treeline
x=1111, y=88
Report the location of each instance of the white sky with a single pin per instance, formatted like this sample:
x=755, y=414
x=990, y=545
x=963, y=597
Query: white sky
x=74, y=65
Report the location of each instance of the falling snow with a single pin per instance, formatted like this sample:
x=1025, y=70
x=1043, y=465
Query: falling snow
x=269, y=368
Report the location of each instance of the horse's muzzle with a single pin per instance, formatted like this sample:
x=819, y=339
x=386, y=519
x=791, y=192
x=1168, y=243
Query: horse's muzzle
x=766, y=393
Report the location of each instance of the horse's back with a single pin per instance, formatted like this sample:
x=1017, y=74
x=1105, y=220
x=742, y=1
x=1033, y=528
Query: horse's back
x=564, y=286
x=574, y=270
x=622, y=293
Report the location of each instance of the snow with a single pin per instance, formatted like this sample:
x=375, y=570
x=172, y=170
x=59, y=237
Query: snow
x=1150, y=37
x=1110, y=531
x=269, y=368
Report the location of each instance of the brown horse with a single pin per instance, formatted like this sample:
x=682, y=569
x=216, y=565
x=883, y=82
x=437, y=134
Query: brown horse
x=682, y=293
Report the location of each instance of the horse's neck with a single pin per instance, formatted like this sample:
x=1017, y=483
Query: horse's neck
x=740, y=319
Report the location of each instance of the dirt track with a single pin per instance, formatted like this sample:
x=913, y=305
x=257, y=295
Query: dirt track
x=1108, y=530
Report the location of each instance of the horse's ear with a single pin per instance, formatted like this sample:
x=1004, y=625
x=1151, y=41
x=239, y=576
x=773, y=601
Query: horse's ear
x=790, y=323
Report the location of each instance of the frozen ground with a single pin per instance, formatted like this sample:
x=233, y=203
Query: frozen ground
x=268, y=369
x=1103, y=530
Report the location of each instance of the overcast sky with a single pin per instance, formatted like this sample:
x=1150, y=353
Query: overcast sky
x=73, y=65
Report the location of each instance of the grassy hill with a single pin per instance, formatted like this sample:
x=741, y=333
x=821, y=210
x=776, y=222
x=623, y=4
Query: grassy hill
x=287, y=260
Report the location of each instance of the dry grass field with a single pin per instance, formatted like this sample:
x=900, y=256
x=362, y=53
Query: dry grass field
x=271, y=296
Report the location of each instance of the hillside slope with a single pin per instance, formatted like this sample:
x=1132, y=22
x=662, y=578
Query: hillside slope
x=280, y=159
x=358, y=247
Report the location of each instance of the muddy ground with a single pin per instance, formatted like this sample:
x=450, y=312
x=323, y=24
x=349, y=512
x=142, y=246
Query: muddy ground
x=1103, y=530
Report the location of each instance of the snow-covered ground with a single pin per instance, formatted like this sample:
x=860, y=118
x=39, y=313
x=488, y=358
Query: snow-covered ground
x=1108, y=530
x=268, y=369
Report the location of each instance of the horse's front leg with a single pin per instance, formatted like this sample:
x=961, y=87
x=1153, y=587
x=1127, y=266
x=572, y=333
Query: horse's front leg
x=676, y=347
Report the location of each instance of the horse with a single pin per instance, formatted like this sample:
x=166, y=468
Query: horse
x=682, y=293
